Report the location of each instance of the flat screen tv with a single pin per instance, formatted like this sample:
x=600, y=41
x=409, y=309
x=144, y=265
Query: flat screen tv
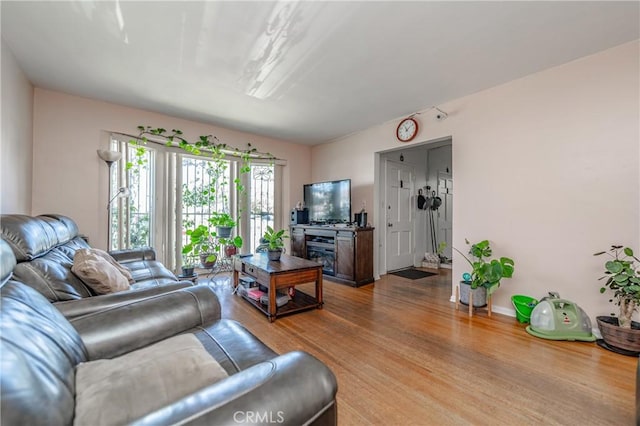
x=328, y=202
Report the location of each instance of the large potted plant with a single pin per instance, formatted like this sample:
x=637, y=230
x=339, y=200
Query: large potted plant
x=623, y=279
x=486, y=273
x=275, y=242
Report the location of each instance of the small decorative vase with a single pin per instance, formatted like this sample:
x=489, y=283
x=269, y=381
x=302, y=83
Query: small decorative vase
x=187, y=271
x=479, y=294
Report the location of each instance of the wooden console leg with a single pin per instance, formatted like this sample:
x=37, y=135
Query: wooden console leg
x=489, y=305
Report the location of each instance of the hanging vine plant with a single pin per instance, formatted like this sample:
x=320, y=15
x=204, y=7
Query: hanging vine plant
x=206, y=145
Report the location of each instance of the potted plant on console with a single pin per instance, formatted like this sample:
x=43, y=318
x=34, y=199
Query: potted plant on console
x=621, y=334
x=275, y=242
x=486, y=274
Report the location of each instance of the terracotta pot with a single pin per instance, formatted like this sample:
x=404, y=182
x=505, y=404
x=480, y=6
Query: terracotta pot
x=203, y=260
x=230, y=250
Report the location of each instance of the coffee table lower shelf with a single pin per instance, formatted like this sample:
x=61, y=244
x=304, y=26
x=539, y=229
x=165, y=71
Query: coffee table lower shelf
x=299, y=302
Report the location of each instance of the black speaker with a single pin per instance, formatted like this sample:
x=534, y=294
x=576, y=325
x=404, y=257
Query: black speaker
x=299, y=217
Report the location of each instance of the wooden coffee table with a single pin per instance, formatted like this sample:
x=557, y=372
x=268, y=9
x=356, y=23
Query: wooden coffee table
x=289, y=271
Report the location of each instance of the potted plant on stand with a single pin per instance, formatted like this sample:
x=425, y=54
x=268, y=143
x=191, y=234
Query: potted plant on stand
x=485, y=277
x=621, y=334
x=223, y=222
x=201, y=244
x=275, y=242
x=231, y=245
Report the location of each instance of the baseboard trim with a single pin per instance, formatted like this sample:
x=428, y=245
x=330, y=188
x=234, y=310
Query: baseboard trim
x=510, y=312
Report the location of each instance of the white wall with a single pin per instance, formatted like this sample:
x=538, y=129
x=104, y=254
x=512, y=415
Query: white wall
x=69, y=177
x=546, y=168
x=16, y=146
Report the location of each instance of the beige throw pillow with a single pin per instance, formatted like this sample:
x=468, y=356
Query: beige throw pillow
x=106, y=256
x=98, y=273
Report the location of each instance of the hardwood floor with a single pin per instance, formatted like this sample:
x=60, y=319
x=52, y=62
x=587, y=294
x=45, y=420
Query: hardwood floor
x=403, y=355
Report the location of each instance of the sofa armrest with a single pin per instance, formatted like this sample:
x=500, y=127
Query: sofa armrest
x=130, y=326
x=77, y=308
x=128, y=255
x=292, y=389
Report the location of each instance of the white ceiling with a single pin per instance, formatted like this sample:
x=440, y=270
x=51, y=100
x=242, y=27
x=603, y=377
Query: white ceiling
x=308, y=71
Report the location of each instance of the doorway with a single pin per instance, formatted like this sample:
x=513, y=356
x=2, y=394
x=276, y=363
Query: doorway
x=404, y=232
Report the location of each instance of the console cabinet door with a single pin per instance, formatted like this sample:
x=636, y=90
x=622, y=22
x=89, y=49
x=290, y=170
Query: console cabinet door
x=298, y=248
x=345, y=255
x=364, y=257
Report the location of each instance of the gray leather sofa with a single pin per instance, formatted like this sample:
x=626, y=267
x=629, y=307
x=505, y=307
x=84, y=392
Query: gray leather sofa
x=44, y=247
x=166, y=359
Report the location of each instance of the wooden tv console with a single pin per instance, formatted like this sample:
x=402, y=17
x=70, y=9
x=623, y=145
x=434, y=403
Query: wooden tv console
x=346, y=253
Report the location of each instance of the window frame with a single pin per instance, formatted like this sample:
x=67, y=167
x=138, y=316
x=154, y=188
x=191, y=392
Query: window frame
x=166, y=212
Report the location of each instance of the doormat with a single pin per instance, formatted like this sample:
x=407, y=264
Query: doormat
x=412, y=273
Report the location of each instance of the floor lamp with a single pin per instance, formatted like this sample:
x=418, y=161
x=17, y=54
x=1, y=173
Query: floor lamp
x=110, y=157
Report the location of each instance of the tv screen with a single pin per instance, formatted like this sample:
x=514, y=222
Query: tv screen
x=328, y=202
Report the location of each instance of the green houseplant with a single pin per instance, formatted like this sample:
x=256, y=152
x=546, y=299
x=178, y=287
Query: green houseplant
x=223, y=222
x=622, y=275
x=201, y=244
x=486, y=273
x=206, y=244
x=275, y=242
x=230, y=244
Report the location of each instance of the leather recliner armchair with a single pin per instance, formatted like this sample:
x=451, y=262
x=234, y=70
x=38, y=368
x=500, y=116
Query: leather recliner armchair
x=166, y=359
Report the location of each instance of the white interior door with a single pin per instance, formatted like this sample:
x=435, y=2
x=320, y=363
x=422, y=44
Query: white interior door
x=399, y=215
x=445, y=212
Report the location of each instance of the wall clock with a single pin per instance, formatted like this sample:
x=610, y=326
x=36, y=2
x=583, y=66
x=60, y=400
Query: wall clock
x=407, y=129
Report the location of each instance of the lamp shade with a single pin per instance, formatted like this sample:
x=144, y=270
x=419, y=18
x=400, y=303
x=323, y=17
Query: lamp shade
x=109, y=156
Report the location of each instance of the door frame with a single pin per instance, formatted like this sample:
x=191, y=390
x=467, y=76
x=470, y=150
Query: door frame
x=379, y=220
x=446, y=205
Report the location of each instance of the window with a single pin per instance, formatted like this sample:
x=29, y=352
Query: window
x=262, y=182
x=202, y=191
x=131, y=205
x=170, y=190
